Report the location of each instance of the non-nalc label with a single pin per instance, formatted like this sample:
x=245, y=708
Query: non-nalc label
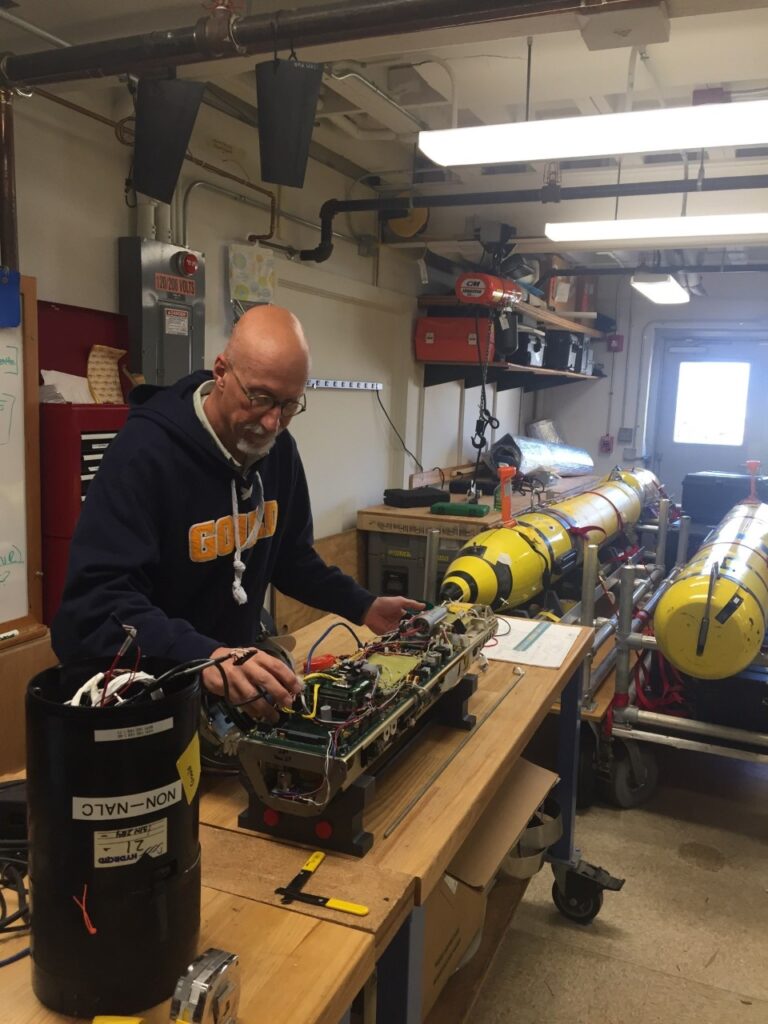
x=131, y=805
x=132, y=732
x=124, y=846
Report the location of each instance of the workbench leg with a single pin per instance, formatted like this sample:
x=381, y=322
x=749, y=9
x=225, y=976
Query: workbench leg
x=399, y=974
x=578, y=886
x=568, y=735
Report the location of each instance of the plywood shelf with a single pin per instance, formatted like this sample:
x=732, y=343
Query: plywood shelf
x=504, y=375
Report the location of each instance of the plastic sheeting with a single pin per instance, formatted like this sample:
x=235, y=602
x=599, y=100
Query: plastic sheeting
x=532, y=457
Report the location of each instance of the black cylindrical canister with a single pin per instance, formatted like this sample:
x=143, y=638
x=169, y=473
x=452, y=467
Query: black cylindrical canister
x=114, y=868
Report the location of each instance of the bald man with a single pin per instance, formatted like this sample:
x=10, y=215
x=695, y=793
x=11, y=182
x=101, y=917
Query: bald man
x=200, y=503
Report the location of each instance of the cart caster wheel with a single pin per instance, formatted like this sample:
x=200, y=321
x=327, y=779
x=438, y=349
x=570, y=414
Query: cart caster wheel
x=582, y=908
x=587, y=781
x=622, y=787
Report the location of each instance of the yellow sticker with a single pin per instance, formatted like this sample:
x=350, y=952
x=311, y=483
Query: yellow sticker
x=188, y=767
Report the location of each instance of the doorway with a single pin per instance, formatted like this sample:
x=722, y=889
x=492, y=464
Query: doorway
x=711, y=402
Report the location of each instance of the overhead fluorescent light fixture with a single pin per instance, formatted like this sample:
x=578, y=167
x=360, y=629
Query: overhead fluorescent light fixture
x=661, y=288
x=709, y=125
x=659, y=228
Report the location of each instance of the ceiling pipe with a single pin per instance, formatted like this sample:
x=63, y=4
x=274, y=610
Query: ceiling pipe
x=398, y=206
x=705, y=268
x=223, y=34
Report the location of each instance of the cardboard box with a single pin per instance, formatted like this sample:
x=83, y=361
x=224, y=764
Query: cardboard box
x=18, y=665
x=455, y=909
x=561, y=293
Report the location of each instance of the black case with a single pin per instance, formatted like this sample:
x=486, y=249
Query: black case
x=708, y=496
x=563, y=351
x=414, y=497
x=530, y=348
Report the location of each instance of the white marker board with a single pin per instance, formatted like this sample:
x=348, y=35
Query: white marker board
x=20, y=572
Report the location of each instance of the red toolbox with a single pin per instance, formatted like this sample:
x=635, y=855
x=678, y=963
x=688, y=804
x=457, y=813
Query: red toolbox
x=73, y=439
x=458, y=339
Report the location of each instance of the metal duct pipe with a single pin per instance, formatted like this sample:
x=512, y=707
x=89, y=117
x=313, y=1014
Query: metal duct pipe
x=399, y=206
x=223, y=34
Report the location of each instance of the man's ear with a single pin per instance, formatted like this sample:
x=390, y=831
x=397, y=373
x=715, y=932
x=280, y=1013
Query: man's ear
x=219, y=369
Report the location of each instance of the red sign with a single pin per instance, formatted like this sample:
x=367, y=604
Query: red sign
x=177, y=285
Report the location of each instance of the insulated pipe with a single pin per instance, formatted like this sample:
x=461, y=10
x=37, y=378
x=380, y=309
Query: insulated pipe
x=223, y=34
x=398, y=206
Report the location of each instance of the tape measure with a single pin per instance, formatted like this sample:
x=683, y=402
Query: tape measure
x=209, y=991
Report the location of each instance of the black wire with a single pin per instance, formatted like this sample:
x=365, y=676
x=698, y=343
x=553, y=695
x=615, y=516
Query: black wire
x=16, y=956
x=402, y=442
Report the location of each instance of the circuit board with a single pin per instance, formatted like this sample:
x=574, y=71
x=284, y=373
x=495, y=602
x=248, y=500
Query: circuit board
x=355, y=709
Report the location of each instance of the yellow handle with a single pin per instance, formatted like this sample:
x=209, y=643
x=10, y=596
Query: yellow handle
x=347, y=908
x=109, y=1019
x=314, y=861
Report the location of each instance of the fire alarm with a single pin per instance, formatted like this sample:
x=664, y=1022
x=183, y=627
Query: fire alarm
x=186, y=263
x=606, y=444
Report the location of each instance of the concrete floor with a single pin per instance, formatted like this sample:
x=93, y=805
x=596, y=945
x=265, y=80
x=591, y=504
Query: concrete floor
x=686, y=940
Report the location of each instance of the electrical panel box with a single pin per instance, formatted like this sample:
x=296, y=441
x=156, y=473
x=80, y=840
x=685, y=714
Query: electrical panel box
x=162, y=293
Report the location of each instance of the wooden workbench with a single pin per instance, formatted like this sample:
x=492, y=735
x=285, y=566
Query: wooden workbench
x=424, y=843
x=416, y=522
x=333, y=953
x=275, y=947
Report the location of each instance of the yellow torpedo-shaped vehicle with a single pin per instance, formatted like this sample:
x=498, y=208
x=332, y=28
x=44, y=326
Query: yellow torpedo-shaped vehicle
x=509, y=565
x=712, y=620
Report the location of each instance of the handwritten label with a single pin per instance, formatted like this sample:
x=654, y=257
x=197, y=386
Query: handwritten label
x=7, y=403
x=10, y=556
x=124, y=846
x=9, y=360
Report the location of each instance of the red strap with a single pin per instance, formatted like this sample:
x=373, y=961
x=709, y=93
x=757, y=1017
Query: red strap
x=619, y=517
x=584, y=531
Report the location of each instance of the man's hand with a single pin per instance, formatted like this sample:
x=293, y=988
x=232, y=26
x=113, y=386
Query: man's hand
x=262, y=670
x=385, y=613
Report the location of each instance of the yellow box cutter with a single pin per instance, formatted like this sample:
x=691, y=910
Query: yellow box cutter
x=293, y=891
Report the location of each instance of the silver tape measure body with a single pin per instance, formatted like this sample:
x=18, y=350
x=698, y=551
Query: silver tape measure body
x=209, y=991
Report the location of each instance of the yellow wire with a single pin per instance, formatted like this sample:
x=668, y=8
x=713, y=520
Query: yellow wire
x=548, y=615
x=313, y=712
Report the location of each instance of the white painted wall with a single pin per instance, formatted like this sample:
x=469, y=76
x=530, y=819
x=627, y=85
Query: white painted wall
x=71, y=210
x=586, y=411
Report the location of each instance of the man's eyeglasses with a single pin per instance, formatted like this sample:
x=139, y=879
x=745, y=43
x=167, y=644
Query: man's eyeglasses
x=263, y=403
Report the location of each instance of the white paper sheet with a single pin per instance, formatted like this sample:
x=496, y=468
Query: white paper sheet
x=531, y=642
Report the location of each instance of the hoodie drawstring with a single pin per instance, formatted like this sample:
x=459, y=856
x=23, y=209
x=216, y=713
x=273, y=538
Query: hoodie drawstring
x=238, y=591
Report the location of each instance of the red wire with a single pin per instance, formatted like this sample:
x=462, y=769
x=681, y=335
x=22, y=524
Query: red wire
x=90, y=927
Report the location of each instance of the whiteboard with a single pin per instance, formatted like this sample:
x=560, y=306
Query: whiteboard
x=14, y=598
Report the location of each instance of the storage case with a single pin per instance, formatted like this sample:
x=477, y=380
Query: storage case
x=463, y=339
x=563, y=351
x=708, y=496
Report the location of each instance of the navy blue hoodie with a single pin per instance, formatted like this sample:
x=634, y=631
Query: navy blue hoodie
x=155, y=543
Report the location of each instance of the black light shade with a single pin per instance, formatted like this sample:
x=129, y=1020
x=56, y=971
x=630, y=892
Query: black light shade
x=165, y=116
x=287, y=92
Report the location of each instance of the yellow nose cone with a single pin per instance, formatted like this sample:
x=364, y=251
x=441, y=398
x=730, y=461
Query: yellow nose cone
x=732, y=640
